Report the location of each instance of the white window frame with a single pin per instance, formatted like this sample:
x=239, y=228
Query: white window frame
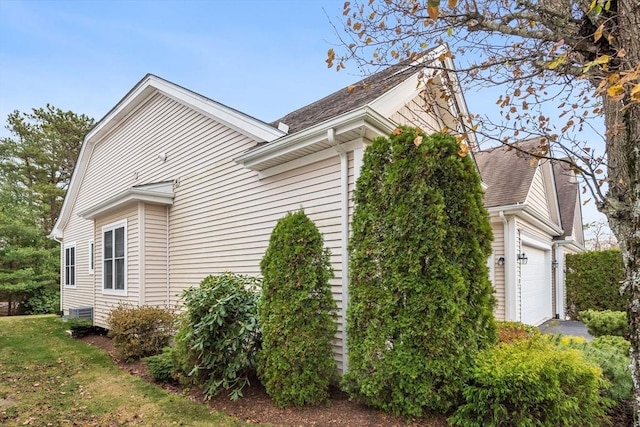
x=65, y=275
x=112, y=227
x=92, y=257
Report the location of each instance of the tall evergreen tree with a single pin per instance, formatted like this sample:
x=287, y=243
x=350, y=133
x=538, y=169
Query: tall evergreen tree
x=40, y=156
x=36, y=164
x=420, y=299
x=296, y=314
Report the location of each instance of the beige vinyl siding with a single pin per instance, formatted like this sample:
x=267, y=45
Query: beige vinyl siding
x=156, y=268
x=498, y=271
x=415, y=113
x=104, y=303
x=222, y=214
x=81, y=232
x=537, y=197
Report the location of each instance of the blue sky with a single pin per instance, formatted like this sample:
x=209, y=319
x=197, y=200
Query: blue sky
x=262, y=57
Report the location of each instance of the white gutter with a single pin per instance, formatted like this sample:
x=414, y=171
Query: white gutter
x=344, y=220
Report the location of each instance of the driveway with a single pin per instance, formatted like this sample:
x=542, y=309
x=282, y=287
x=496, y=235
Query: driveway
x=565, y=327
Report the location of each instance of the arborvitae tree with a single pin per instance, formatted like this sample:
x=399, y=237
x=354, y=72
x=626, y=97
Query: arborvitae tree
x=297, y=314
x=420, y=299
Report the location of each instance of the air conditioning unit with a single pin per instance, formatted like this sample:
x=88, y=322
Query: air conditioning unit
x=81, y=313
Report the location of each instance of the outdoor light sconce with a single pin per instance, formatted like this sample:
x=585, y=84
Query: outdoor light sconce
x=501, y=261
x=522, y=258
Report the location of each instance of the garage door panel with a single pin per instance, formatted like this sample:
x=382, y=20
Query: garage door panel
x=535, y=287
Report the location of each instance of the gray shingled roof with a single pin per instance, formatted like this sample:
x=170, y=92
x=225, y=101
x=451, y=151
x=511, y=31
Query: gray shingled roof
x=344, y=100
x=567, y=189
x=507, y=173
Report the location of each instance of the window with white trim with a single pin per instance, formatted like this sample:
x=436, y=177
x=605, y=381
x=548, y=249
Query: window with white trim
x=114, y=259
x=70, y=265
x=92, y=251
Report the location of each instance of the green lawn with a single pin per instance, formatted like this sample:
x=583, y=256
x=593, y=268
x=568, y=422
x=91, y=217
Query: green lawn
x=49, y=379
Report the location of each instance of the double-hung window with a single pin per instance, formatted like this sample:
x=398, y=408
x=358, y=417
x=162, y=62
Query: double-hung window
x=70, y=265
x=114, y=271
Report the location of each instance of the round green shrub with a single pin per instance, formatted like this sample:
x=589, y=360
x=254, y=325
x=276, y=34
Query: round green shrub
x=532, y=383
x=140, y=331
x=297, y=314
x=218, y=335
x=593, y=281
x=421, y=304
x=605, y=322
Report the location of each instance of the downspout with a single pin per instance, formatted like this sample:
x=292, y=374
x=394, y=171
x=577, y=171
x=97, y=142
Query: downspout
x=344, y=220
x=509, y=260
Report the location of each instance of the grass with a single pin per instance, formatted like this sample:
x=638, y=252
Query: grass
x=49, y=379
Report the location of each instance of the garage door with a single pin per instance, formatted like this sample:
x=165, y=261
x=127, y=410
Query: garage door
x=536, y=287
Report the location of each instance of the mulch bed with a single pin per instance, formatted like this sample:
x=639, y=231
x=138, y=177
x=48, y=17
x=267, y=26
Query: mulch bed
x=256, y=406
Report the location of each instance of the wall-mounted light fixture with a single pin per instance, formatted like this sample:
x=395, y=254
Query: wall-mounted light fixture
x=162, y=156
x=554, y=264
x=522, y=258
x=501, y=261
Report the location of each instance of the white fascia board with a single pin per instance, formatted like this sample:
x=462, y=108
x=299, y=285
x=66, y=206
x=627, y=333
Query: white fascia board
x=129, y=195
x=361, y=117
x=551, y=190
x=524, y=211
x=393, y=99
x=234, y=119
x=571, y=243
x=319, y=156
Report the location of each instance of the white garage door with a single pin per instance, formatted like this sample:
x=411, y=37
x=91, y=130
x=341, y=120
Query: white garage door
x=536, y=287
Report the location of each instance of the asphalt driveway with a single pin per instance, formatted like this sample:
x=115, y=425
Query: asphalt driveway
x=565, y=327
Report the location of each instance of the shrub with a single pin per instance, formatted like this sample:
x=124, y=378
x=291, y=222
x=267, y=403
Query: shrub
x=139, y=332
x=297, y=314
x=515, y=331
x=611, y=341
x=605, y=322
x=42, y=301
x=80, y=327
x=161, y=366
x=218, y=337
x=532, y=383
x=593, y=281
x=611, y=354
x=421, y=305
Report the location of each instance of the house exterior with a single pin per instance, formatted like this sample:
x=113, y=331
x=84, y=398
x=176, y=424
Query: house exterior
x=171, y=186
x=535, y=213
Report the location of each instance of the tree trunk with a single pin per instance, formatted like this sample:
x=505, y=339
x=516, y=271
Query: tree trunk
x=622, y=204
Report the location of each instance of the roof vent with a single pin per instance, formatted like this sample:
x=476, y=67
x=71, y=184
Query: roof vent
x=284, y=128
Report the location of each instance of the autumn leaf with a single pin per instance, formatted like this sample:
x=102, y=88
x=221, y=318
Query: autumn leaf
x=433, y=12
x=417, y=140
x=464, y=149
x=635, y=93
x=351, y=89
x=331, y=56
x=616, y=92
x=397, y=131
x=452, y=3
x=557, y=62
x=598, y=34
